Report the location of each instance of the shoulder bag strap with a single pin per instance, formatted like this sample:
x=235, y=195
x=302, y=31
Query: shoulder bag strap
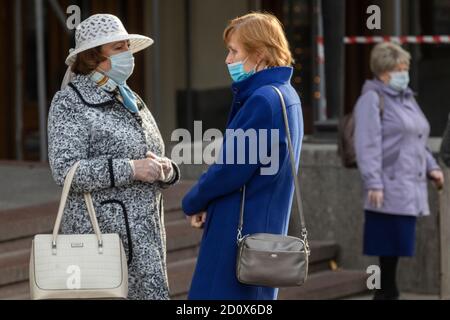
x=304, y=232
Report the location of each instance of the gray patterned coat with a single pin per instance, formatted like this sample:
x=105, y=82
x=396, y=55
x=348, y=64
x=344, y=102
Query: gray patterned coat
x=88, y=124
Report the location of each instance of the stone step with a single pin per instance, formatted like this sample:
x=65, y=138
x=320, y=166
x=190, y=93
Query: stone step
x=15, y=245
x=174, y=195
x=26, y=184
x=14, y=266
x=181, y=236
x=19, y=225
x=322, y=251
x=182, y=254
x=182, y=243
x=25, y=222
x=180, y=276
x=173, y=215
x=328, y=285
x=322, y=285
x=16, y=291
x=172, y=201
x=179, y=273
x=14, y=259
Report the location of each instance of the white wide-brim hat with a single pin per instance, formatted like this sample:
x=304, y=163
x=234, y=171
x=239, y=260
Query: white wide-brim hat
x=101, y=29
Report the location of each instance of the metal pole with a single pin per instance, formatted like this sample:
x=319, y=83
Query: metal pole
x=444, y=239
x=415, y=50
x=333, y=15
x=322, y=99
x=188, y=43
x=397, y=17
x=148, y=54
x=156, y=59
x=41, y=78
x=60, y=14
x=19, y=80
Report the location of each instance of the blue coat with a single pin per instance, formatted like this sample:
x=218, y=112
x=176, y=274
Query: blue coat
x=391, y=150
x=269, y=197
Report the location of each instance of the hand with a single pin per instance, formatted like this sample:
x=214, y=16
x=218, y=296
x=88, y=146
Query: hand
x=166, y=165
x=438, y=178
x=376, y=198
x=147, y=170
x=197, y=220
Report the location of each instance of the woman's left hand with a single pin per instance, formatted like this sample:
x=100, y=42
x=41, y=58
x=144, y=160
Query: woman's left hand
x=197, y=220
x=438, y=178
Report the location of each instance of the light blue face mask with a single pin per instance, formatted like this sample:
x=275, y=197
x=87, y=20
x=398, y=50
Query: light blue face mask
x=237, y=71
x=399, y=80
x=122, y=66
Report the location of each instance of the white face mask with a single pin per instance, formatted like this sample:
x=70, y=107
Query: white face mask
x=399, y=80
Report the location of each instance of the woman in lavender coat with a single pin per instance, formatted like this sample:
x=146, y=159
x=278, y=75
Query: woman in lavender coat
x=391, y=134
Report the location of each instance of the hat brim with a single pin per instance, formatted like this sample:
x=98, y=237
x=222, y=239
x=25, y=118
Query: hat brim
x=137, y=43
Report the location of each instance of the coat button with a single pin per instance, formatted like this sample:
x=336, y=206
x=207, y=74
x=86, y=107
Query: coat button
x=420, y=136
x=420, y=174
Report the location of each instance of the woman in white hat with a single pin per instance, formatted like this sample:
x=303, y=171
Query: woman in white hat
x=98, y=120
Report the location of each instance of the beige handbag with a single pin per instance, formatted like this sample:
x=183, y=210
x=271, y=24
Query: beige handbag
x=79, y=266
x=273, y=260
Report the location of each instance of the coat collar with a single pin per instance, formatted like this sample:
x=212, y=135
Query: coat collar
x=90, y=92
x=392, y=92
x=244, y=89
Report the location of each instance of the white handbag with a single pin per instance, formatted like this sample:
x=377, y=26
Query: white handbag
x=78, y=266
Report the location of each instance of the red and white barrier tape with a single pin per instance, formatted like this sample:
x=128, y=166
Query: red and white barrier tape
x=377, y=39
x=402, y=39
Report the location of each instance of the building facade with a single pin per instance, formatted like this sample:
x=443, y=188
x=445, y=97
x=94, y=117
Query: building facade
x=183, y=76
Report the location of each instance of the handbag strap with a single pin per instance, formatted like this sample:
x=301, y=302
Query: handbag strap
x=89, y=204
x=304, y=232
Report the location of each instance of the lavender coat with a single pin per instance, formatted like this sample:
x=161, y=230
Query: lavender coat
x=391, y=150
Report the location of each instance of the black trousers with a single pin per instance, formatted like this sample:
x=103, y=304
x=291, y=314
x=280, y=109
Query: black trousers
x=388, y=268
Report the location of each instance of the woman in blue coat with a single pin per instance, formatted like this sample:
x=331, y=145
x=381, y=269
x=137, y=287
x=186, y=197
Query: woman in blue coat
x=256, y=62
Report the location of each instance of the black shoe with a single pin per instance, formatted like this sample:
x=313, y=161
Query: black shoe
x=380, y=295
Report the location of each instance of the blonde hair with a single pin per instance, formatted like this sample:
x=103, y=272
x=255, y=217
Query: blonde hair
x=261, y=33
x=386, y=56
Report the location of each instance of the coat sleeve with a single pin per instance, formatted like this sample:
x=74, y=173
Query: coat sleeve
x=227, y=176
x=175, y=179
x=68, y=142
x=368, y=140
x=431, y=162
x=445, y=145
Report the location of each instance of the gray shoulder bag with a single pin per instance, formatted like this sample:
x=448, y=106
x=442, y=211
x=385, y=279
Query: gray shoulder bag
x=274, y=260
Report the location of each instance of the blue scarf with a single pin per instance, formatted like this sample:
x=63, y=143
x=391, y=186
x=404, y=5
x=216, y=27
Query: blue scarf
x=126, y=96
